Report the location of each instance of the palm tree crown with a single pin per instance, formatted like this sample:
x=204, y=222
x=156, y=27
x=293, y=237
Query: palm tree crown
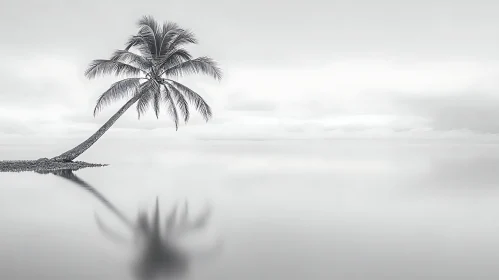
x=159, y=56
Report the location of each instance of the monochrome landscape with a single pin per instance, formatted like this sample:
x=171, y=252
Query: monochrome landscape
x=249, y=140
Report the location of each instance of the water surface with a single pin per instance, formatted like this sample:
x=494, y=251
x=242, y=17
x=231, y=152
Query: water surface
x=285, y=209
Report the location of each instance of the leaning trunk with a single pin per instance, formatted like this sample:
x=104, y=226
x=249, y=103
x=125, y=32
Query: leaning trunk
x=78, y=150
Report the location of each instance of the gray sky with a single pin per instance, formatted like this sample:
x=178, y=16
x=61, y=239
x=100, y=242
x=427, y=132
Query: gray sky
x=355, y=68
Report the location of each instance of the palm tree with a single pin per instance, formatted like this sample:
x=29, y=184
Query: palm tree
x=159, y=57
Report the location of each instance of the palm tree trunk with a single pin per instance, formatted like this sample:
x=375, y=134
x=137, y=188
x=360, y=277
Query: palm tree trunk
x=78, y=150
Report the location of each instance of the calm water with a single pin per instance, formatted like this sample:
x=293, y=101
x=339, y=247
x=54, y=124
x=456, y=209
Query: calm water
x=284, y=209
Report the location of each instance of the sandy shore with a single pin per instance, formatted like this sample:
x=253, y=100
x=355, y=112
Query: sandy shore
x=42, y=165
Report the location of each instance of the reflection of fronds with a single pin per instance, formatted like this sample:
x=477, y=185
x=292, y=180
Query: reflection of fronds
x=159, y=252
x=173, y=228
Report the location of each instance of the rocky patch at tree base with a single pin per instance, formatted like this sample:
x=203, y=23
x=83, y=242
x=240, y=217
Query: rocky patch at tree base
x=43, y=165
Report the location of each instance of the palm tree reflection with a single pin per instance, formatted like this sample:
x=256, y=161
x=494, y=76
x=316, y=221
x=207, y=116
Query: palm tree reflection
x=159, y=250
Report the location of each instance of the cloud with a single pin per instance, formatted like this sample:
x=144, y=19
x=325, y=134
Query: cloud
x=245, y=102
x=40, y=87
x=346, y=98
x=413, y=29
x=19, y=129
x=362, y=95
x=476, y=111
x=368, y=76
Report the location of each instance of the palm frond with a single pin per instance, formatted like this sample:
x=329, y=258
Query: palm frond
x=168, y=32
x=149, y=28
x=203, y=65
x=145, y=41
x=173, y=58
x=131, y=58
x=172, y=110
x=133, y=41
x=180, y=101
x=145, y=99
x=195, y=99
x=182, y=37
x=105, y=66
x=118, y=90
x=147, y=90
x=150, y=40
x=150, y=22
x=142, y=44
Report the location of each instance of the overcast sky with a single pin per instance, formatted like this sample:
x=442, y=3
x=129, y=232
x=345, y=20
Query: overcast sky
x=353, y=68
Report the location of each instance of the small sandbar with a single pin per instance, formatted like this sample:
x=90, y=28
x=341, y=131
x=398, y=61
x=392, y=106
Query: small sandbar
x=43, y=165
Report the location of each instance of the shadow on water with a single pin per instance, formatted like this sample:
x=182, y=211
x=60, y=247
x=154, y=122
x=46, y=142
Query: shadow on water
x=158, y=250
